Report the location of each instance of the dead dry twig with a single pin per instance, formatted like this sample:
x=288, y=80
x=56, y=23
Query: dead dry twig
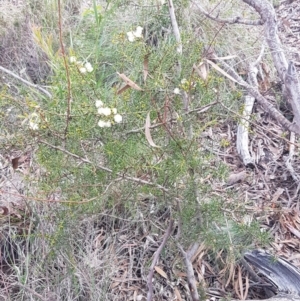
x=155, y=259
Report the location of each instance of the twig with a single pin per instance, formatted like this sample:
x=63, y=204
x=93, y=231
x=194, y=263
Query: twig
x=191, y=252
x=32, y=292
x=236, y=20
x=190, y=273
x=259, y=127
x=261, y=99
x=196, y=110
x=67, y=71
x=175, y=26
x=289, y=166
x=202, y=109
x=24, y=197
x=143, y=128
x=24, y=81
x=155, y=259
x=242, y=137
x=123, y=176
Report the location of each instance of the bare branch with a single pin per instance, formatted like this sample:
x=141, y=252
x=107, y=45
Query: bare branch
x=190, y=273
x=155, y=259
x=123, y=176
x=286, y=71
x=24, y=81
x=62, y=49
x=242, y=137
x=292, y=89
x=32, y=291
x=258, y=60
x=265, y=104
x=236, y=20
x=268, y=15
x=175, y=26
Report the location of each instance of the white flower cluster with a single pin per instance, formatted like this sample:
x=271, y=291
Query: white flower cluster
x=105, y=111
x=82, y=67
x=176, y=91
x=184, y=85
x=137, y=34
x=34, y=120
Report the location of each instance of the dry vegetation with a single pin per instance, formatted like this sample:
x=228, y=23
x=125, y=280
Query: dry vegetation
x=85, y=209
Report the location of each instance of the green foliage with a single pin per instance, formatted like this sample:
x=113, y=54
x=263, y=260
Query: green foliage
x=83, y=160
x=76, y=135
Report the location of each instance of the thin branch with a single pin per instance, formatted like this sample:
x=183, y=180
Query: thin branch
x=242, y=137
x=155, y=259
x=262, y=51
x=236, y=20
x=143, y=129
x=119, y=174
x=175, y=26
x=267, y=13
x=196, y=110
x=32, y=291
x=24, y=81
x=67, y=71
x=264, y=103
x=259, y=127
x=190, y=273
x=202, y=109
x=287, y=72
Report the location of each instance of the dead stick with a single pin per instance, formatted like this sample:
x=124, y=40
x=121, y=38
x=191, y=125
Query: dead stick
x=25, y=81
x=190, y=273
x=151, y=272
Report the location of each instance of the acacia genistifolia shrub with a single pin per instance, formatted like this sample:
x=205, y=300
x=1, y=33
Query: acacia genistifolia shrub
x=106, y=124
x=92, y=146
x=91, y=124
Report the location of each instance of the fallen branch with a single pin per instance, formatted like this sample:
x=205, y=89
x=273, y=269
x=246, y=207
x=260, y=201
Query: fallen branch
x=242, y=136
x=242, y=139
x=290, y=158
x=155, y=259
x=279, y=271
